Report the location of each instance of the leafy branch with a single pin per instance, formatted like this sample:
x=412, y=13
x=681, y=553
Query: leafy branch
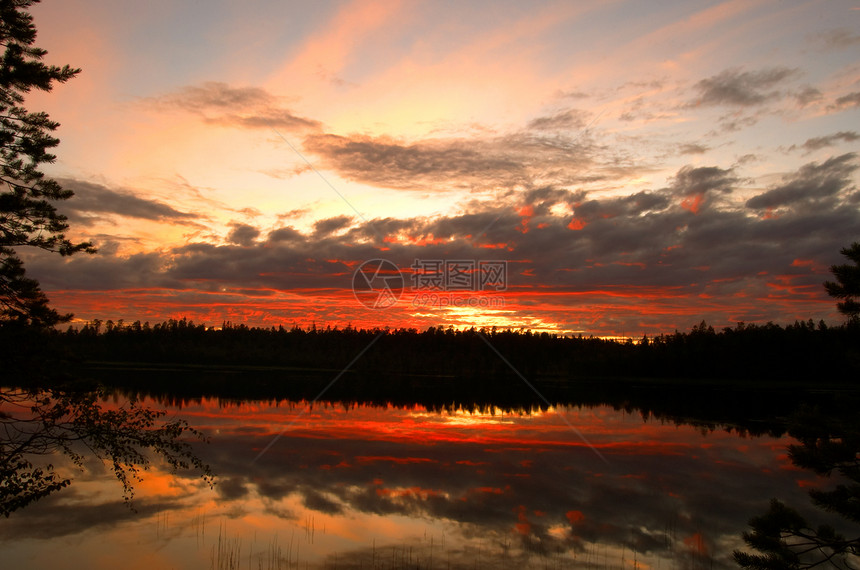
x=54, y=421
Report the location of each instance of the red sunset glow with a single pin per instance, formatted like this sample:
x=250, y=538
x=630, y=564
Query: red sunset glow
x=639, y=169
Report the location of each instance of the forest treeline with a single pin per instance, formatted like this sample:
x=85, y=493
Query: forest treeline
x=751, y=377
x=804, y=351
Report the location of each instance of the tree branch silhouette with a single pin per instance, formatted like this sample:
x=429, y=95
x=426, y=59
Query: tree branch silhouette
x=76, y=424
x=28, y=215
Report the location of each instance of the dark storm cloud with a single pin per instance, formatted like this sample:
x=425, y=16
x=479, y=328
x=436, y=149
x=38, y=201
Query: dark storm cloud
x=543, y=199
x=817, y=143
x=691, y=252
x=624, y=207
x=701, y=180
x=551, y=195
x=681, y=241
x=231, y=488
x=245, y=107
x=331, y=225
x=95, y=198
x=496, y=225
x=812, y=183
x=648, y=239
x=285, y=234
x=100, y=272
x=320, y=502
x=742, y=88
x=242, y=234
x=282, y=265
x=377, y=229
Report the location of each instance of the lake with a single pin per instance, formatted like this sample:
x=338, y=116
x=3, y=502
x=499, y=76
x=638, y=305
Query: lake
x=334, y=485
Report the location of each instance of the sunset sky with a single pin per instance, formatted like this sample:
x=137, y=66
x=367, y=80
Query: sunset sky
x=639, y=166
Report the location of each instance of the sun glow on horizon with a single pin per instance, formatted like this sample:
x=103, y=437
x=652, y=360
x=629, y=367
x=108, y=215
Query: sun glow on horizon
x=619, y=161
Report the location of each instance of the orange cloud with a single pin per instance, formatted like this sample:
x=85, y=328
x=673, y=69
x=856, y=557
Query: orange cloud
x=693, y=203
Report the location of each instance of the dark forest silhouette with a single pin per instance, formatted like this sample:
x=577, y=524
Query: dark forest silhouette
x=749, y=376
x=813, y=354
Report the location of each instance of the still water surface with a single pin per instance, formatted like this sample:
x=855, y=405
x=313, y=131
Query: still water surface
x=333, y=486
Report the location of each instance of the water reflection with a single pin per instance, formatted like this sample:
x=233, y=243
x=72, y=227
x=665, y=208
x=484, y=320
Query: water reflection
x=76, y=422
x=357, y=486
x=784, y=537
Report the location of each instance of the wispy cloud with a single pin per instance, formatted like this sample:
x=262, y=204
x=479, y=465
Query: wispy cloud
x=734, y=87
x=692, y=148
x=438, y=165
x=92, y=198
x=848, y=101
x=571, y=119
x=807, y=95
x=244, y=107
x=817, y=143
x=838, y=38
x=425, y=165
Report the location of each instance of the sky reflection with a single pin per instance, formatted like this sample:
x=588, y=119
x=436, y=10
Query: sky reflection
x=357, y=486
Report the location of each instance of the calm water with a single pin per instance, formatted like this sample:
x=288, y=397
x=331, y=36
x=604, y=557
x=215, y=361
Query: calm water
x=373, y=487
